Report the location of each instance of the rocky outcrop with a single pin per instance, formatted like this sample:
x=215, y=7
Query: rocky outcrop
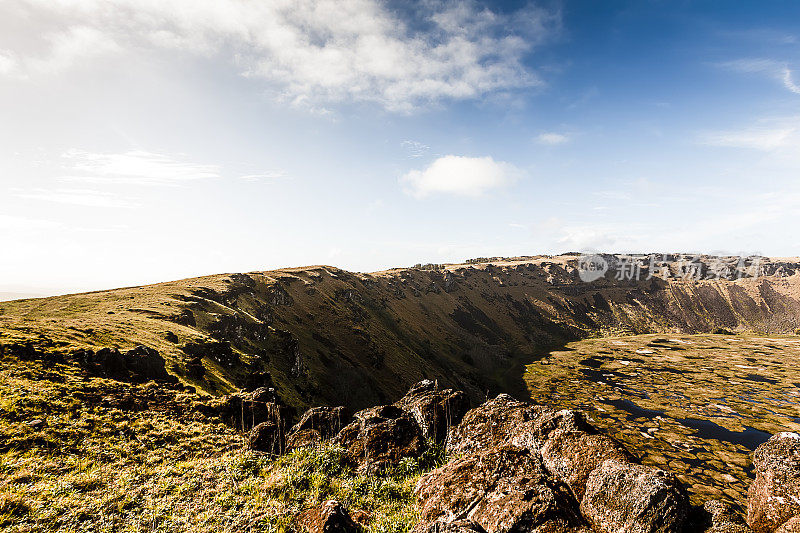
x=330, y=517
x=435, y=410
x=381, y=436
x=137, y=365
x=501, y=489
x=517, y=467
x=523, y=467
x=571, y=456
x=623, y=497
x=318, y=424
x=245, y=410
x=491, y=424
x=774, y=496
x=267, y=437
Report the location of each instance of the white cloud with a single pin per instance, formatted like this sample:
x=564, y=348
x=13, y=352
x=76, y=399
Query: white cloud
x=459, y=175
x=758, y=138
x=772, y=68
x=83, y=197
x=789, y=83
x=66, y=49
x=551, y=138
x=314, y=52
x=415, y=148
x=8, y=63
x=135, y=167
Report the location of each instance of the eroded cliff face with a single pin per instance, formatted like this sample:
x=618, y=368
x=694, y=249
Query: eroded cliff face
x=321, y=335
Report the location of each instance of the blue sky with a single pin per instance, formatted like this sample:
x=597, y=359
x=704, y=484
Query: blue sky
x=148, y=140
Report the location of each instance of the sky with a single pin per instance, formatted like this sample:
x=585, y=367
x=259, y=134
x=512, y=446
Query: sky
x=151, y=140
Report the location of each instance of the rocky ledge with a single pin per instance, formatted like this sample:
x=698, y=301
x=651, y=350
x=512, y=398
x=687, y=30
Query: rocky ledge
x=518, y=467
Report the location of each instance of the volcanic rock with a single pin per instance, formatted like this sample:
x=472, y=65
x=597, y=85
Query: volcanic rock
x=774, y=496
x=381, y=436
x=624, y=497
x=502, y=489
x=435, y=410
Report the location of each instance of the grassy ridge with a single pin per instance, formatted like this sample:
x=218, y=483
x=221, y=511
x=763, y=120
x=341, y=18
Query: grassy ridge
x=324, y=336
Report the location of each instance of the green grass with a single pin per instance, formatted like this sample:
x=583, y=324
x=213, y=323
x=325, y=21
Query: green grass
x=99, y=466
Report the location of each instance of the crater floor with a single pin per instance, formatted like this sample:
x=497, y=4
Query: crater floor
x=695, y=404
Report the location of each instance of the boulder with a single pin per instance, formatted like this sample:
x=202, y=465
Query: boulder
x=499, y=490
x=139, y=364
x=492, y=424
x=621, y=497
x=330, y=517
x=774, y=496
x=790, y=526
x=435, y=410
x=148, y=364
x=570, y=456
x=316, y=425
x=717, y=516
x=267, y=437
x=379, y=437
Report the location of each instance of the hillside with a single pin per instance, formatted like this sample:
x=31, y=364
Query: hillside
x=321, y=335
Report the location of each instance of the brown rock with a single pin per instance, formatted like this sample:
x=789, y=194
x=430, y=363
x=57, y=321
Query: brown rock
x=267, y=437
x=570, y=456
x=381, y=436
x=245, y=410
x=456, y=526
x=790, y=526
x=362, y=518
x=719, y=517
x=500, y=490
x=435, y=410
x=330, y=517
x=492, y=424
x=774, y=496
x=139, y=364
x=305, y=438
x=315, y=426
x=622, y=497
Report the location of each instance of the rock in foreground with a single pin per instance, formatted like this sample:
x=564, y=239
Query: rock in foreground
x=501, y=489
x=775, y=494
x=435, y=410
x=379, y=437
x=623, y=497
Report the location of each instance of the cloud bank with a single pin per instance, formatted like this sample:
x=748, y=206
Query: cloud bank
x=310, y=52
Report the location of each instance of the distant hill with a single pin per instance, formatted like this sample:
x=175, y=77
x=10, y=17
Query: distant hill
x=6, y=296
x=322, y=335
